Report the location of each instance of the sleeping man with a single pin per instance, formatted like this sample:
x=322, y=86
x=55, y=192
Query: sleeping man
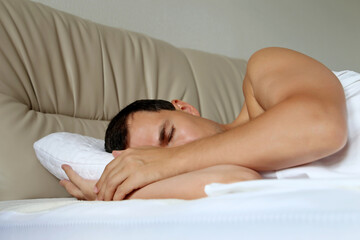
x=294, y=114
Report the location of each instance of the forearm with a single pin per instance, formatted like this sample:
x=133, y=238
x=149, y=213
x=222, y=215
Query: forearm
x=294, y=132
x=191, y=185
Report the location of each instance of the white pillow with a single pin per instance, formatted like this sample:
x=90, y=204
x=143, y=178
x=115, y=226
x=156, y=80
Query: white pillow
x=86, y=155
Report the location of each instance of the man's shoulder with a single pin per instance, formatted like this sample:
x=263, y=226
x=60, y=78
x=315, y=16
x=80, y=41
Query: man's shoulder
x=269, y=60
x=270, y=64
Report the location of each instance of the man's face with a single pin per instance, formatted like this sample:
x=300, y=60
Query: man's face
x=168, y=128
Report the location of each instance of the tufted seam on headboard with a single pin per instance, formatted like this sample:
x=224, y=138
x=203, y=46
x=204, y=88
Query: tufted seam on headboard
x=102, y=66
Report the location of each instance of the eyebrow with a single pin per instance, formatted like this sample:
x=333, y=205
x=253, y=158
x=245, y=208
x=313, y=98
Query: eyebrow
x=162, y=132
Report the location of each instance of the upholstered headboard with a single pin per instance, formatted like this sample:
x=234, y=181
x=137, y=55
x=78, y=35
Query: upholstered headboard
x=59, y=72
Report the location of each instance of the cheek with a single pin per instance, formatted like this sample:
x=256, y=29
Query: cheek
x=188, y=135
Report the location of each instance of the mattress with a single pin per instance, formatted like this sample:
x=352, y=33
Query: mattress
x=259, y=209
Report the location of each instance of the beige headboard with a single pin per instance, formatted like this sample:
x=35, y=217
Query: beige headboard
x=326, y=30
x=59, y=72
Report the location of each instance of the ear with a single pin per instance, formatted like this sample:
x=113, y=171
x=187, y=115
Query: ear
x=116, y=153
x=186, y=107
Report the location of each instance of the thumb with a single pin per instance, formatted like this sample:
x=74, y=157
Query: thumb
x=116, y=153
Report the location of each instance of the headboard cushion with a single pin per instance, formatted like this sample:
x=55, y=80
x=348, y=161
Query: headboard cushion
x=59, y=72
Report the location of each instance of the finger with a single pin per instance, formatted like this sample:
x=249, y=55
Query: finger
x=111, y=186
x=114, y=179
x=136, y=180
x=73, y=176
x=101, y=192
x=129, y=185
x=105, y=174
x=100, y=186
x=72, y=189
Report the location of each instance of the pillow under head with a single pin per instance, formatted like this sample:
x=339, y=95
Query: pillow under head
x=86, y=155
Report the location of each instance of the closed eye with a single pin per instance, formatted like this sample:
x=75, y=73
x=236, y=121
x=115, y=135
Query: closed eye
x=171, y=134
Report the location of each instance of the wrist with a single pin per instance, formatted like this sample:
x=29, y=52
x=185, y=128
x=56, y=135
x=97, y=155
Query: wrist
x=186, y=158
x=178, y=160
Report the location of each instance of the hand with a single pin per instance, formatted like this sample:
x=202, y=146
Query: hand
x=133, y=169
x=82, y=189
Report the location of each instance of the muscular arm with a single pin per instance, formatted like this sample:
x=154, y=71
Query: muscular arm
x=191, y=185
x=304, y=118
x=184, y=186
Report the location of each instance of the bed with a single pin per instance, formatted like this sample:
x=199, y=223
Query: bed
x=260, y=209
x=61, y=73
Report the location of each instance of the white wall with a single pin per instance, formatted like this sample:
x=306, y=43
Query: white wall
x=327, y=30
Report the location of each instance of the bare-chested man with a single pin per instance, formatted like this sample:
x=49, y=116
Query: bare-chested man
x=294, y=113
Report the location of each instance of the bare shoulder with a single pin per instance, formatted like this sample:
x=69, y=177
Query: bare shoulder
x=276, y=60
x=276, y=74
x=271, y=59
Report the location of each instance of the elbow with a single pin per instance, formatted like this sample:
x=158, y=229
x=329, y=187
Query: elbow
x=329, y=128
x=239, y=174
x=335, y=138
x=340, y=137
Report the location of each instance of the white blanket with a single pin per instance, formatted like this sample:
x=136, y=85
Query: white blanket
x=261, y=209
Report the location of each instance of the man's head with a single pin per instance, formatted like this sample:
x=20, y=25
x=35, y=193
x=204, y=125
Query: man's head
x=157, y=123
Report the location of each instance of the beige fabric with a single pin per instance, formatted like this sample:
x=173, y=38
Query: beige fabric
x=59, y=72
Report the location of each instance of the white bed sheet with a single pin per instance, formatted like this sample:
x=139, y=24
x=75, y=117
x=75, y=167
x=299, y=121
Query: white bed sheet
x=261, y=209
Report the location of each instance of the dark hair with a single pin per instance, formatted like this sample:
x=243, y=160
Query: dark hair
x=116, y=136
